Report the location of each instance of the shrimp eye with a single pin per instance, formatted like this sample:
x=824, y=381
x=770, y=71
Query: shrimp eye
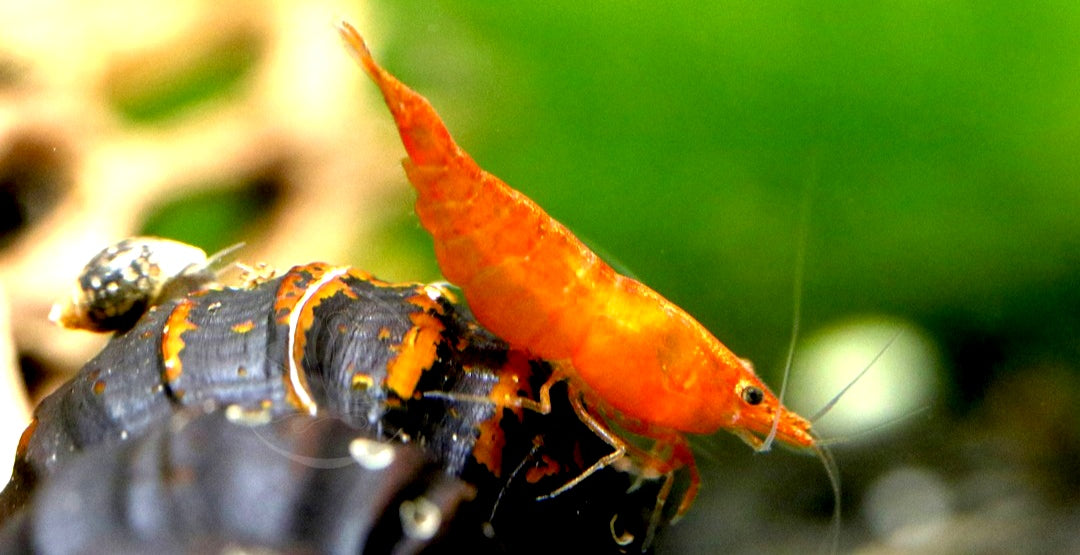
x=752, y=395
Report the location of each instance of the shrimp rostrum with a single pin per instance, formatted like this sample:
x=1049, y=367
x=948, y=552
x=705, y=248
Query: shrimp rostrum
x=633, y=361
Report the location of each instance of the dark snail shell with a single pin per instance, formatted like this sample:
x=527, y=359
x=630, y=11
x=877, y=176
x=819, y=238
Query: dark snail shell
x=122, y=281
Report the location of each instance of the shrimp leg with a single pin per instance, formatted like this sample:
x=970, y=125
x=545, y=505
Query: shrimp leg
x=618, y=445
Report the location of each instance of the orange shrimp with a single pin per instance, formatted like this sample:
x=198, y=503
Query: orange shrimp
x=629, y=355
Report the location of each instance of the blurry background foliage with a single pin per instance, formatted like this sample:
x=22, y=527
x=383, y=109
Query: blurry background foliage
x=937, y=141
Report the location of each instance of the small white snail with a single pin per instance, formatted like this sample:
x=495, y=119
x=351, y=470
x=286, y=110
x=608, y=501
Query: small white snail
x=123, y=281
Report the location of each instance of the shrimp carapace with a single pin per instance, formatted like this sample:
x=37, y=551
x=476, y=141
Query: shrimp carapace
x=627, y=353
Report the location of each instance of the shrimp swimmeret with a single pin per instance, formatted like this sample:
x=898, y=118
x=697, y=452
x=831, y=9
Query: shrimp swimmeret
x=630, y=357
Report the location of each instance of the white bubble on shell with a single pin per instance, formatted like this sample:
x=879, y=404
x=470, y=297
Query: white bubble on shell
x=420, y=518
x=371, y=454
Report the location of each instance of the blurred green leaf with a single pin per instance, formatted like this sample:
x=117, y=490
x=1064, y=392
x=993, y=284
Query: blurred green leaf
x=940, y=140
x=161, y=92
x=213, y=217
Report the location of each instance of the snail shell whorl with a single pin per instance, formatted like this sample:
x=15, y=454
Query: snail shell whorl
x=122, y=281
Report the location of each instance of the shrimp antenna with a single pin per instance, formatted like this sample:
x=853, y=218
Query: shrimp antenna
x=837, y=440
x=832, y=402
x=833, y=471
x=796, y=312
x=489, y=526
x=224, y=257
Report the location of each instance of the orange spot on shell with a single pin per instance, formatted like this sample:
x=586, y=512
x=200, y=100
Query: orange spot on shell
x=172, y=342
x=546, y=467
x=243, y=327
x=24, y=439
x=293, y=286
x=99, y=387
x=306, y=318
x=489, y=445
x=513, y=382
x=362, y=382
x=416, y=353
x=424, y=301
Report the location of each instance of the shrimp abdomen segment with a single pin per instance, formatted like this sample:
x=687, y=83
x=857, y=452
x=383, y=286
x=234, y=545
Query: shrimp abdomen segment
x=537, y=302
x=670, y=372
x=525, y=276
x=426, y=140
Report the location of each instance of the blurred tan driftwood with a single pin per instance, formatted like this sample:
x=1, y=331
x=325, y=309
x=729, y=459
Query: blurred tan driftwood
x=303, y=110
x=14, y=406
